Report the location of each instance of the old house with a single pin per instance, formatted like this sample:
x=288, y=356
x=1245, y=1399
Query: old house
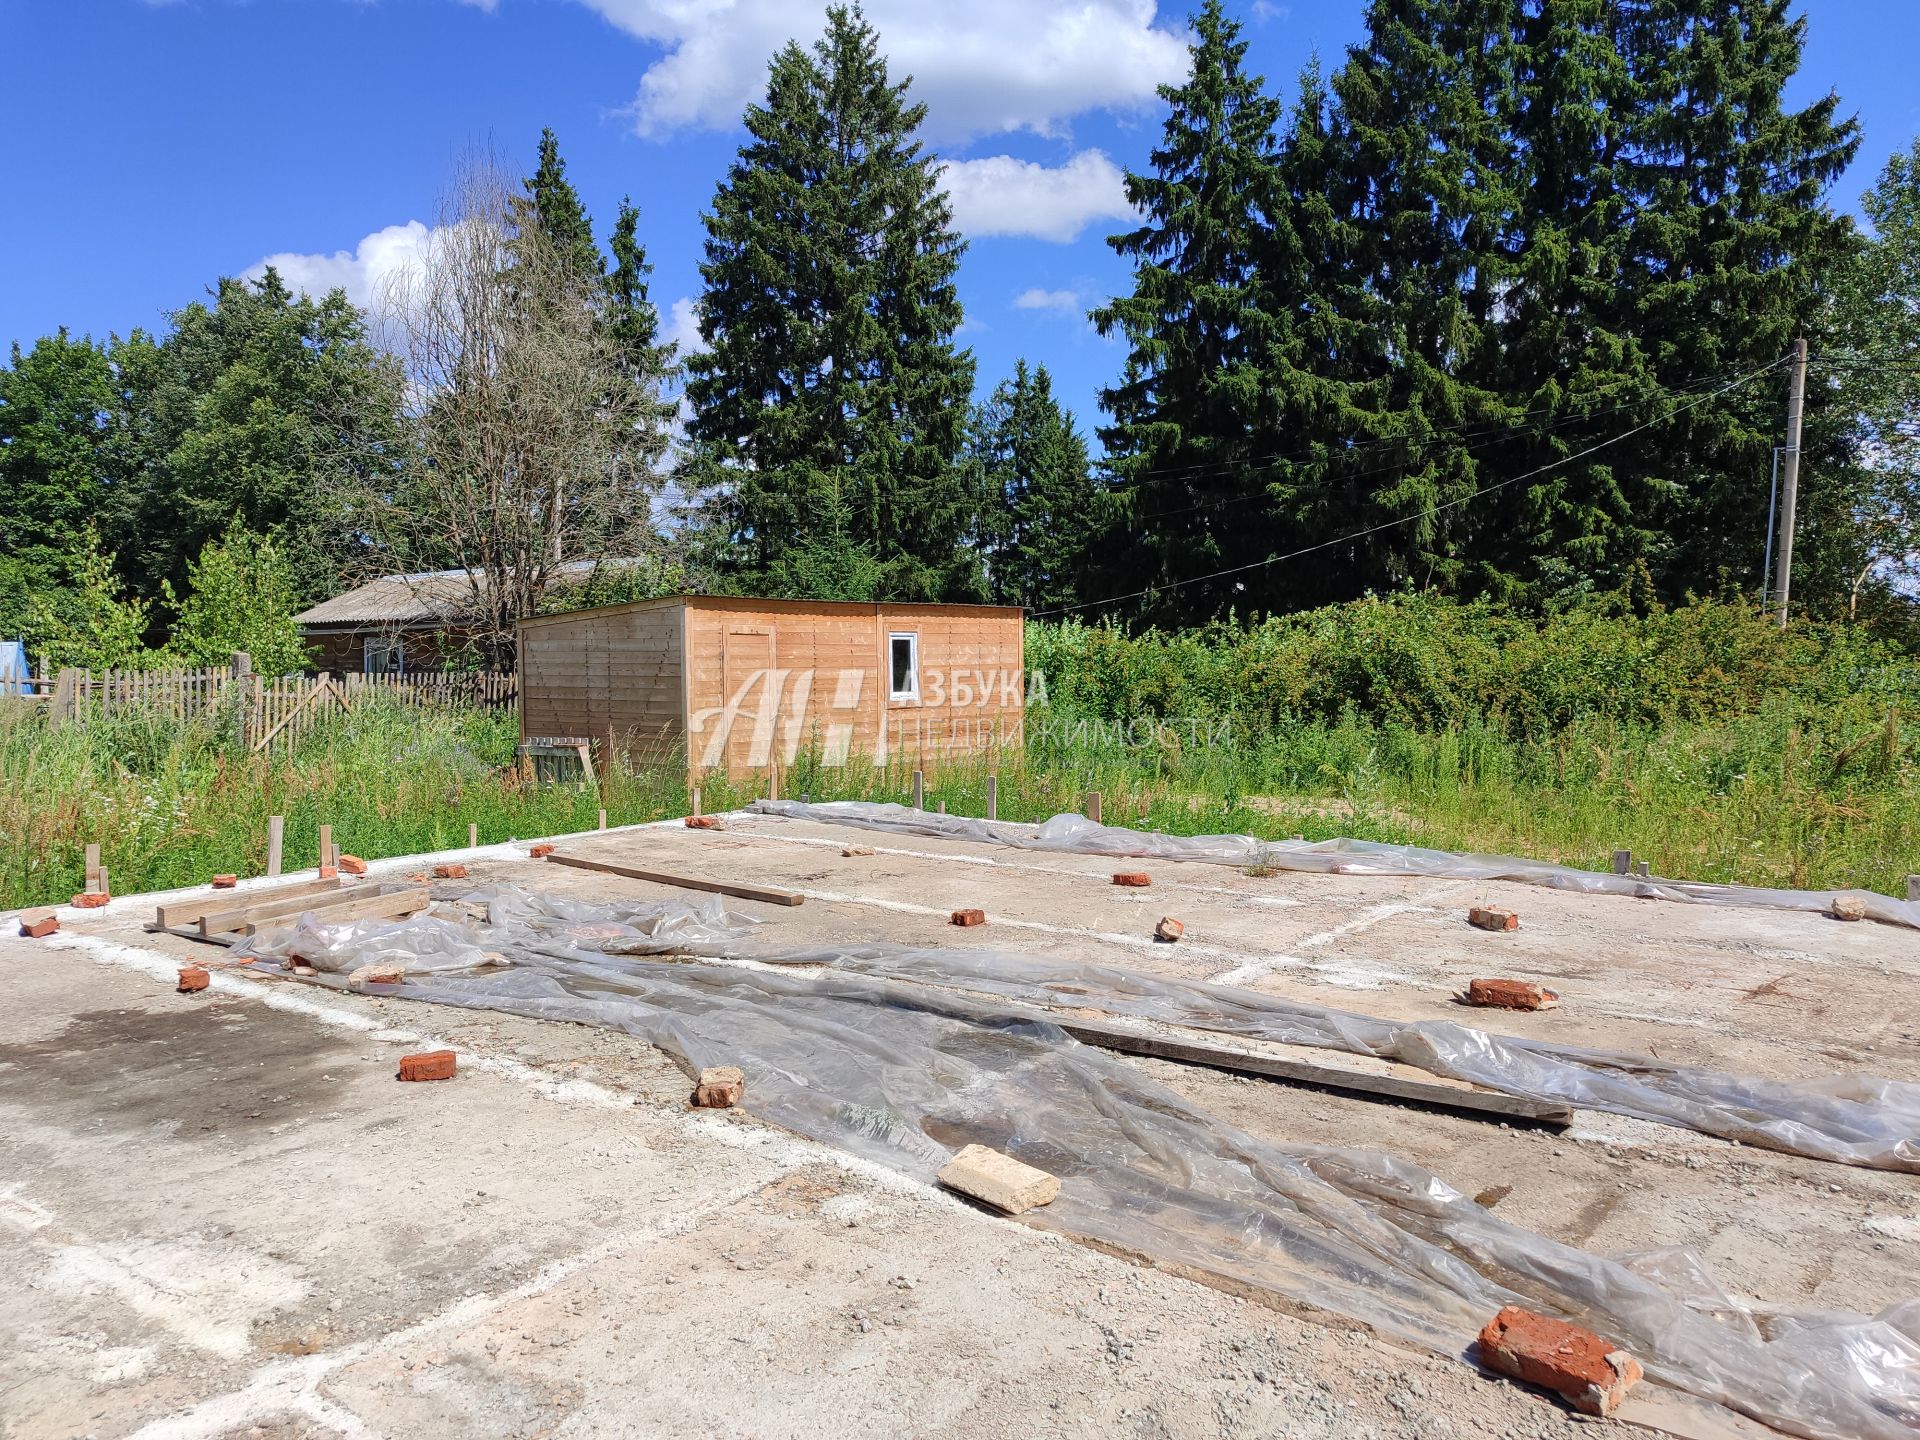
x=745, y=683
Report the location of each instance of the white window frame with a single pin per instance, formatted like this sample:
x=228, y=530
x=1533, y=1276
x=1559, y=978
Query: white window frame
x=388, y=651
x=910, y=695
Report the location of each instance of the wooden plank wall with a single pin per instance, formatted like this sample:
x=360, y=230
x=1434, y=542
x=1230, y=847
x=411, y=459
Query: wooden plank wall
x=834, y=691
x=612, y=673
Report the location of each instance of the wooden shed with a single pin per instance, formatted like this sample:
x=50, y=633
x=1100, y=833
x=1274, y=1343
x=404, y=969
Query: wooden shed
x=740, y=683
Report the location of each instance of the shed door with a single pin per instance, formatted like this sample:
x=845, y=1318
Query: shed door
x=751, y=697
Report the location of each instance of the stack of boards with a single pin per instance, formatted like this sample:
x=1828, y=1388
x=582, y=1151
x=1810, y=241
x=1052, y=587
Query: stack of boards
x=228, y=917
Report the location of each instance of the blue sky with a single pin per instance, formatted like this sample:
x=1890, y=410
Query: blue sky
x=160, y=145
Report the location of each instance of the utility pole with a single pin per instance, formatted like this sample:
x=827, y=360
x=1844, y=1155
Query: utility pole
x=1790, y=474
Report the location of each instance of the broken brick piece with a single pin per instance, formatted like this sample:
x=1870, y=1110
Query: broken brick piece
x=998, y=1180
x=969, y=917
x=1133, y=879
x=1847, y=907
x=419, y=877
x=1592, y=1374
x=193, y=977
x=848, y=852
x=721, y=1087
x=704, y=822
x=378, y=973
x=428, y=1065
x=91, y=900
x=352, y=865
x=1168, y=929
x=225, y=882
x=1492, y=917
x=37, y=923
x=1511, y=995
x=450, y=872
x=541, y=851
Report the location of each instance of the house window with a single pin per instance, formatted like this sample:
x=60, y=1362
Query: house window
x=379, y=657
x=903, y=667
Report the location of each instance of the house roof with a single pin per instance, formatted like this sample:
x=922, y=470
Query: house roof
x=424, y=597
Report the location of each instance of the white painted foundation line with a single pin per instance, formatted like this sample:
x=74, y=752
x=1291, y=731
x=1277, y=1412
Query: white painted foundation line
x=124, y=905
x=766, y=833
x=1111, y=937
x=1254, y=969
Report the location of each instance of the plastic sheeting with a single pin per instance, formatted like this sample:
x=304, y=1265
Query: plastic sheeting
x=1075, y=834
x=905, y=1076
x=1853, y=1119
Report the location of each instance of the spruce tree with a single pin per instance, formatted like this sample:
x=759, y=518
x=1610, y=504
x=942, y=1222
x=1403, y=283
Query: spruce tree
x=633, y=326
x=1192, y=410
x=831, y=388
x=1041, y=507
x=555, y=206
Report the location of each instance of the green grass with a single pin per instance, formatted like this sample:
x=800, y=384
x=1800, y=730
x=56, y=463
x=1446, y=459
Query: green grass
x=1712, y=745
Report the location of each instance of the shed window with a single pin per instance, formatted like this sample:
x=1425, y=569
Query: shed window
x=383, y=658
x=903, y=667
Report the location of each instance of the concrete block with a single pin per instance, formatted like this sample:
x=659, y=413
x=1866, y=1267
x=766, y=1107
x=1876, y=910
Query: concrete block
x=998, y=1180
x=1591, y=1374
x=192, y=978
x=1133, y=879
x=1492, y=917
x=428, y=1065
x=1169, y=929
x=969, y=917
x=1511, y=995
x=721, y=1087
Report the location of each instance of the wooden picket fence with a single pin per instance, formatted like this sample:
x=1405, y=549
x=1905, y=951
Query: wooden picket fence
x=271, y=712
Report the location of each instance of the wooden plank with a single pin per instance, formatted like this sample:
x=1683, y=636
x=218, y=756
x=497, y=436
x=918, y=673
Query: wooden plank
x=684, y=882
x=324, y=894
x=188, y=912
x=1477, y=1104
x=394, y=905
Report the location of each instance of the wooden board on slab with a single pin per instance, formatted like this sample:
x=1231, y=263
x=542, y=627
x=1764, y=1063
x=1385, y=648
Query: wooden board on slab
x=684, y=882
x=188, y=912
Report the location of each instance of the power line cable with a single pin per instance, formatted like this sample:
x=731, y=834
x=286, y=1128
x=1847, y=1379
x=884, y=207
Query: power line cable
x=1422, y=514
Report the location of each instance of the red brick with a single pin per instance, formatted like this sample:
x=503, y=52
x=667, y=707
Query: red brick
x=1592, y=1374
x=721, y=1087
x=37, y=923
x=352, y=865
x=225, y=882
x=704, y=822
x=450, y=872
x=1168, y=929
x=91, y=900
x=419, y=877
x=193, y=977
x=428, y=1065
x=329, y=872
x=1492, y=917
x=1133, y=879
x=1511, y=995
x=969, y=917
x=540, y=852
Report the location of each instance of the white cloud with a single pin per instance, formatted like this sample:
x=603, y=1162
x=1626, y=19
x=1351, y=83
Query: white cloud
x=363, y=272
x=999, y=195
x=683, y=326
x=982, y=67
x=1038, y=299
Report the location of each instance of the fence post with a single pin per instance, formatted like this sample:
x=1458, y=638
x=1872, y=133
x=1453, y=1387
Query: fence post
x=993, y=797
x=66, y=693
x=276, y=836
x=242, y=669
